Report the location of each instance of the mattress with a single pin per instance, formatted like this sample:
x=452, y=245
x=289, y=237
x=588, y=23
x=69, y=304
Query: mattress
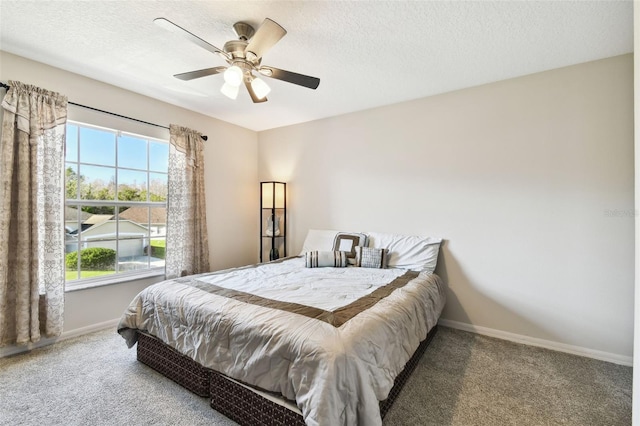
x=332, y=339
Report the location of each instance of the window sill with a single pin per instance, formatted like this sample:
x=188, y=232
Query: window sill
x=112, y=279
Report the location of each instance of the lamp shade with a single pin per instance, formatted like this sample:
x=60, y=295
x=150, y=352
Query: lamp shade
x=273, y=195
x=260, y=88
x=233, y=75
x=230, y=91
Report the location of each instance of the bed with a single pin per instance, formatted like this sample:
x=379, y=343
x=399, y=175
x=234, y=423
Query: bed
x=291, y=341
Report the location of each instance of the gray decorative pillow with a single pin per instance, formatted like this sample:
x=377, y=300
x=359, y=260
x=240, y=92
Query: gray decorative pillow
x=321, y=259
x=348, y=241
x=367, y=257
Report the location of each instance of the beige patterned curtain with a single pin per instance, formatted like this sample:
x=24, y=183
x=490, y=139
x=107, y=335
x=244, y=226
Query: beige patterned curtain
x=31, y=214
x=187, y=242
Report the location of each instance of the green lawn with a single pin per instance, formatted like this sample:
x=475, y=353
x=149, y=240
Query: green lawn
x=159, y=243
x=158, y=248
x=73, y=275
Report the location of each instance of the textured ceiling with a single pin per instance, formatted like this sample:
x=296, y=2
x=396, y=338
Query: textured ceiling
x=366, y=53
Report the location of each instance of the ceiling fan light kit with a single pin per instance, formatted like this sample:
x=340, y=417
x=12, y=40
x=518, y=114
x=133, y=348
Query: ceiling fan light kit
x=260, y=88
x=230, y=91
x=244, y=57
x=233, y=75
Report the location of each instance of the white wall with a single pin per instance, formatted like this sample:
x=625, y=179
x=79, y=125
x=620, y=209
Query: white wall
x=636, y=330
x=230, y=175
x=530, y=181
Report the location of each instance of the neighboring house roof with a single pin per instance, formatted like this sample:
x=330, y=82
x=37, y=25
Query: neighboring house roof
x=95, y=219
x=71, y=213
x=108, y=227
x=141, y=214
x=83, y=227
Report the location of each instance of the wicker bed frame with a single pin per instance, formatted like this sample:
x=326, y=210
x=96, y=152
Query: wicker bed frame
x=236, y=401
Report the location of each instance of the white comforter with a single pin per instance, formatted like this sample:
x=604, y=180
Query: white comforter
x=336, y=375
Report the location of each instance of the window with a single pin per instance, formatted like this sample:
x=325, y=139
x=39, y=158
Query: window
x=115, y=203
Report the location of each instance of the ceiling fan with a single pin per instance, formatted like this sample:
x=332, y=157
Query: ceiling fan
x=244, y=57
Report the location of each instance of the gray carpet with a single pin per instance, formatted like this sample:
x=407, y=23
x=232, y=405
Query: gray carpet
x=463, y=379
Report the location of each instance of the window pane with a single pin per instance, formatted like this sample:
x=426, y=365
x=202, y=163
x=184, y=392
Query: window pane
x=132, y=253
x=158, y=225
x=97, y=256
x=132, y=185
x=97, y=222
x=97, y=183
x=158, y=249
x=97, y=146
x=71, y=145
x=158, y=156
x=134, y=219
x=157, y=187
x=71, y=181
x=71, y=216
x=71, y=223
x=132, y=152
x=133, y=223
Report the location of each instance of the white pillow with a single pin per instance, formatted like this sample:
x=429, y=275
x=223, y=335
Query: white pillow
x=319, y=239
x=408, y=251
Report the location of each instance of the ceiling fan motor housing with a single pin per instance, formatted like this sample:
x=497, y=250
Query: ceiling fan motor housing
x=243, y=30
x=236, y=50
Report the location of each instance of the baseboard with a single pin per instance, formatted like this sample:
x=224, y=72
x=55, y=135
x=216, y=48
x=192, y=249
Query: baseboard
x=542, y=343
x=491, y=332
x=13, y=350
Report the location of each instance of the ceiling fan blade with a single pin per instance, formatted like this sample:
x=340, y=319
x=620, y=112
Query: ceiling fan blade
x=269, y=33
x=170, y=26
x=191, y=75
x=254, y=97
x=290, y=77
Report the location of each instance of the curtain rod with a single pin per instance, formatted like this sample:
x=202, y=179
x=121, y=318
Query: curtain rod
x=5, y=86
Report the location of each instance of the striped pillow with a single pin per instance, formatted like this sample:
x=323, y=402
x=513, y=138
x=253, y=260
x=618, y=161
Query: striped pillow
x=320, y=259
x=367, y=257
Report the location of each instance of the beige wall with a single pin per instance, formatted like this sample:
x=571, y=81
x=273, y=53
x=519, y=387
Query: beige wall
x=530, y=181
x=230, y=174
x=636, y=352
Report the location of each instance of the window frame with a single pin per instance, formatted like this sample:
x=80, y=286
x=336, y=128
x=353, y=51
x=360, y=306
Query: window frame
x=77, y=203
